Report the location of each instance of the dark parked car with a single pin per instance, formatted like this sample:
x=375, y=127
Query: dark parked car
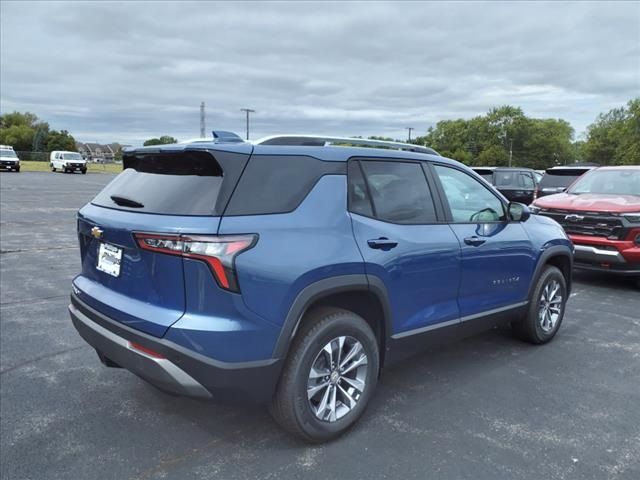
x=517, y=184
x=293, y=274
x=558, y=179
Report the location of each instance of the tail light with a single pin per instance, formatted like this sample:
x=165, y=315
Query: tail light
x=218, y=252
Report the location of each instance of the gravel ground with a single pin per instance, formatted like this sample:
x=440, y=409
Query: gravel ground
x=488, y=407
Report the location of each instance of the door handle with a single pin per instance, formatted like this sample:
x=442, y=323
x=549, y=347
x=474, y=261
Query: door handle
x=382, y=243
x=474, y=241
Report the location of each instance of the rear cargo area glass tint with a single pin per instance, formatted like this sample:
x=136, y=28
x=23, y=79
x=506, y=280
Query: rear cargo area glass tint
x=559, y=178
x=171, y=183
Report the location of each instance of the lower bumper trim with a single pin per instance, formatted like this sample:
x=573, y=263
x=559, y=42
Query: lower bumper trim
x=590, y=253
x=159, y=371
x=176, y=369
x=628, y=270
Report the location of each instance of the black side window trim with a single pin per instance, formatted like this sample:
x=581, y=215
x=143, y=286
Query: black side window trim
x=435, y=197
x=336, y=168
x=445, y=202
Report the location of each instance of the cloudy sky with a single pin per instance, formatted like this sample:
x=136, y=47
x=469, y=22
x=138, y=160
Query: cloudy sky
x=115, y=71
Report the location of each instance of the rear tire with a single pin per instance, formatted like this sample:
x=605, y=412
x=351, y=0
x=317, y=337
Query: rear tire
x=546, y=308
x=314, y=400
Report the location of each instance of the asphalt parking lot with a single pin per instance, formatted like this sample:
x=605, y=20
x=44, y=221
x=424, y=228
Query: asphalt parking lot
x=488, y=407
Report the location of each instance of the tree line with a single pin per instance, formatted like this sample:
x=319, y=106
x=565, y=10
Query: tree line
x=27, y=133
x=505, y=133
x=502, y=136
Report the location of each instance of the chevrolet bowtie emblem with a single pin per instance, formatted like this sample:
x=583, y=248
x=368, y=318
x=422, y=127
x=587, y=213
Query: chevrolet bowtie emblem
x=96, y=233
x=574, y=218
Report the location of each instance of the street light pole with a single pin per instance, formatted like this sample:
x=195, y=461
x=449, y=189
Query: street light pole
x=247, y=111
x=410, y=129
x=510, y=150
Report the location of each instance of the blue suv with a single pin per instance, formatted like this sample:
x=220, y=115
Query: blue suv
x=292, y=270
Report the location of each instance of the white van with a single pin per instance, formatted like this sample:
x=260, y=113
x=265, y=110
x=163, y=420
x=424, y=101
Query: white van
x=8, y=159
x=67, y=162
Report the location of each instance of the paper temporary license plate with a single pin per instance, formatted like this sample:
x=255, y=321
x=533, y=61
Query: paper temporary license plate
x=109, y=259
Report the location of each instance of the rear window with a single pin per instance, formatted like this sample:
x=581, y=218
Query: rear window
x=560, y=177
x=486, y=173
x=513, y=179
x=174, y=183
x=399, y=191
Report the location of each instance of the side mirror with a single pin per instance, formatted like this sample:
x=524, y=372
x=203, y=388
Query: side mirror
x=518, y=212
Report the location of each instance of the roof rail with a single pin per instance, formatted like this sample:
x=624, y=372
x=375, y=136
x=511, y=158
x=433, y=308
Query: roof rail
x=323, y=140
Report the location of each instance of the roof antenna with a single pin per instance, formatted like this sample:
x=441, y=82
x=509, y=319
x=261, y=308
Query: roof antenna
x=202, y=127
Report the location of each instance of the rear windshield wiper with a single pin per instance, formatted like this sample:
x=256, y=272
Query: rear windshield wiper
x=126, y=202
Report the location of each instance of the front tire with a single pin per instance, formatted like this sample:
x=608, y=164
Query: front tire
x=546, y=308
x=329, y=376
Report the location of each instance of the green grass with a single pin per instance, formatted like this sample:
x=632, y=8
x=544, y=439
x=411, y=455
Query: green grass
x=91, y=167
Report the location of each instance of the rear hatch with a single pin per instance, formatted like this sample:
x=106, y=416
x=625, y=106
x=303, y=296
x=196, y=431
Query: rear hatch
x=173, y=190
x=558, y=179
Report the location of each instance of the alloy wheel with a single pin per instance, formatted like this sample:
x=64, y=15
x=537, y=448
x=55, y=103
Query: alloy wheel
x=550, y=306
x=337, y=378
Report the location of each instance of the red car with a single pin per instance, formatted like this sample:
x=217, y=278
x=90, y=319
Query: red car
x=600, y=212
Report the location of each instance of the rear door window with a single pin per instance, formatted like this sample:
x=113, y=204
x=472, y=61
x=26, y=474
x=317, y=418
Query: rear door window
x=174, y=183
x=399, y=192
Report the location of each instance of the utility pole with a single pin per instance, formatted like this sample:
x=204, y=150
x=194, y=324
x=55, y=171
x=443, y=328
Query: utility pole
x=202, y=126
x=248, y=111
x=510, y=150
x=410, y=129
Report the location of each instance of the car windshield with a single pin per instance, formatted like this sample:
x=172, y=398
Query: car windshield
x=608, y=182
x=72, y=156
x=8, y=154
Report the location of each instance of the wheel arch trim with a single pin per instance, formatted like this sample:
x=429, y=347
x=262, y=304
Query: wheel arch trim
x=324, y=288
x=547, y=254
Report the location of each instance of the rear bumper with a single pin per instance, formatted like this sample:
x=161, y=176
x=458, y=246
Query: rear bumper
x=177, y=370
